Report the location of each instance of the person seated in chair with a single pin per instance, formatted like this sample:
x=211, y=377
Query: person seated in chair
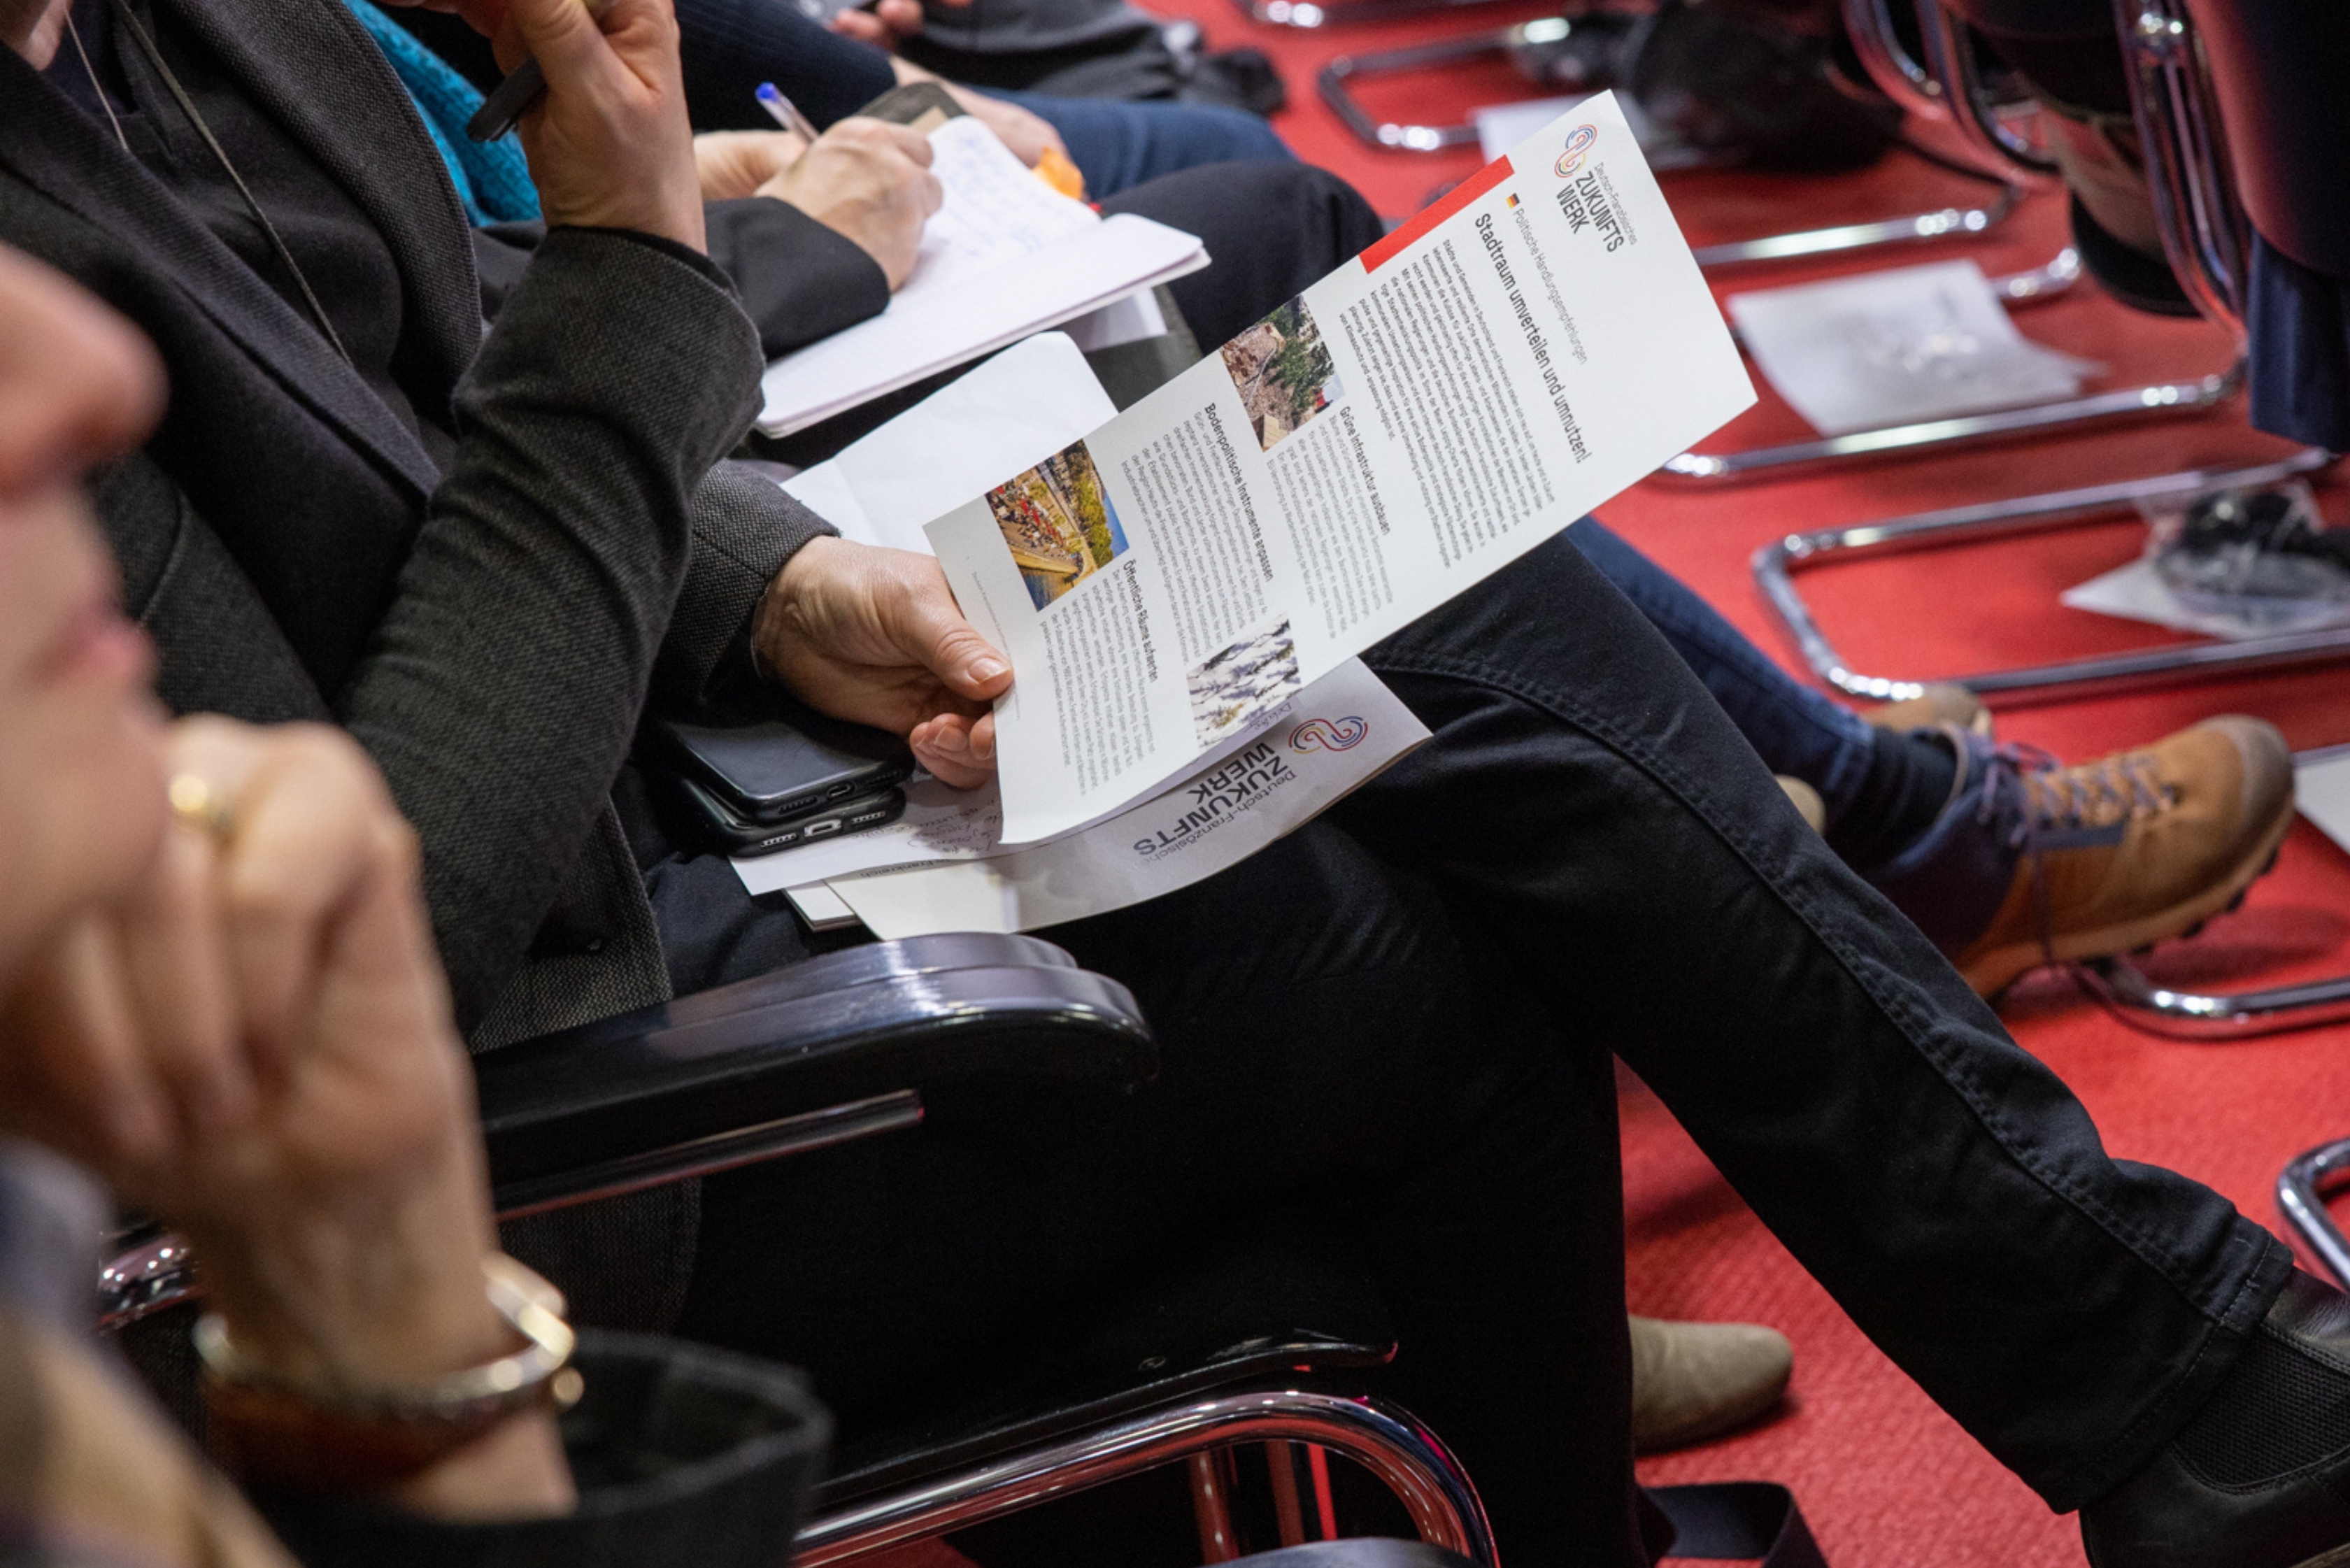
x=1403, y=1011
x=2007, y=859
x=206, y=575
x=219, y=994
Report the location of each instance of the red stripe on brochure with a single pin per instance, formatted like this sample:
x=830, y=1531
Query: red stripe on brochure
x=1459, y=196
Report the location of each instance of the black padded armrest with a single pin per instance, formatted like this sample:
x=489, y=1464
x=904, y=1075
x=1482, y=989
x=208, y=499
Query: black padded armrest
x=845, y=1027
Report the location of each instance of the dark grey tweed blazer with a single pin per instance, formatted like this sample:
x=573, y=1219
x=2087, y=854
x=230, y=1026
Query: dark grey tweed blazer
x=492, y=632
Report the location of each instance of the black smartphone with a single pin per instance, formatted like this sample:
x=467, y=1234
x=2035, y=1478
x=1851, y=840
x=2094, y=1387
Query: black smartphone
x=775, y=768
x=737, y=834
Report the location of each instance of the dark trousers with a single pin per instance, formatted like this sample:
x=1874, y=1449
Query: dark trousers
x=1271, y=228
x=1405, y=1014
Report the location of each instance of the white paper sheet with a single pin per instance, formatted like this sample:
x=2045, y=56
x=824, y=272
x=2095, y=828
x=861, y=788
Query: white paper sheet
x=1022, y=405
x=1521, y=351
x=941, y=328
x=2321, y=788
x=1344, y=732
x=822, y=909
x=1897, y=346
x=2137, y=592
x=1129, y=320
x=993, y=209
x=942, y=824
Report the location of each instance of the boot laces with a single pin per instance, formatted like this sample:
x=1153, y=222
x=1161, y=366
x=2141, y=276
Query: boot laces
x=2125, y=786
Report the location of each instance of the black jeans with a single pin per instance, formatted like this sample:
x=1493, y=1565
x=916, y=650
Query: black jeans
x=1406, y=1011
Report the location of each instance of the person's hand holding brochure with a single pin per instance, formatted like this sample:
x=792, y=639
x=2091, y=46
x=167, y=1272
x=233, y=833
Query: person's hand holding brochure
x=1488, y=373
x=942, y=866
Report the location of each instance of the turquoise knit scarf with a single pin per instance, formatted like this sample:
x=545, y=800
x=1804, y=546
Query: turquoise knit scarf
x=493, y=179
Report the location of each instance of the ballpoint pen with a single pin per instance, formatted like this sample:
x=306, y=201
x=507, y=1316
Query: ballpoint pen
x=512, y=98
x=786, y=113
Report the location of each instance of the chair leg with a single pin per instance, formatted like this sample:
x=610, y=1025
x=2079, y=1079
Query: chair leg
x=1211, y=1507
x=1776, y=564
x=2238, y=1015
x=1317, y=1465
x=1929, y=437
x=1406, y=1456
x=1289, y=1518
x=2302, y=1188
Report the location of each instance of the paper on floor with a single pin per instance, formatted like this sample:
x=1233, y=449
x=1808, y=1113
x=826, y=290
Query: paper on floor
x=1020, y=407
x=2321, y=788
x=2137, y=592
x=1340, y=732
x=1501, y=126
x=1897, y=347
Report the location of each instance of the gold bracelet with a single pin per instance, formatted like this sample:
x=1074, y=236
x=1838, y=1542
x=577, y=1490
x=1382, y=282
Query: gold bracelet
x=280, y=1433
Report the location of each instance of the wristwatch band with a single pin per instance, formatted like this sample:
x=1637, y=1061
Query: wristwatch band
x=281, y=1434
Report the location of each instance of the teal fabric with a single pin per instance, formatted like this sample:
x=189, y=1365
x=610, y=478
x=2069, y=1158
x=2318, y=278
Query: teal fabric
x=493, y=179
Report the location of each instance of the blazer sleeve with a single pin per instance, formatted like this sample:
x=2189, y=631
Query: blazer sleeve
x=509, y=668
x=799, y=280
x=745, y=529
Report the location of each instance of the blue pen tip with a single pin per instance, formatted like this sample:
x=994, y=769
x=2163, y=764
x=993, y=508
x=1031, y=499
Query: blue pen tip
x=766, y=89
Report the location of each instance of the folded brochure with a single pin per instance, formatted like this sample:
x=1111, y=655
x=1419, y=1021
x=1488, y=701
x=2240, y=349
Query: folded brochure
x=941, y=866
x=1524, y=350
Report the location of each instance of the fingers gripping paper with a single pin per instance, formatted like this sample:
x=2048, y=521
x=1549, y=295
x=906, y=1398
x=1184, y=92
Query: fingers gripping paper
x=1517, y=354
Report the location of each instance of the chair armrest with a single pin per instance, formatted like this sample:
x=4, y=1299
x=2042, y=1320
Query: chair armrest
x=844, y=1028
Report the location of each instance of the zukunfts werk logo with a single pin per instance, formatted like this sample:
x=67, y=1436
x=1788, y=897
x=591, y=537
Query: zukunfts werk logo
x=1578, y=142
x=1328, y=734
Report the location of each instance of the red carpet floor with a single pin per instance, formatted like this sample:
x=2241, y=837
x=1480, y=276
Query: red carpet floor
x=1889, y=1482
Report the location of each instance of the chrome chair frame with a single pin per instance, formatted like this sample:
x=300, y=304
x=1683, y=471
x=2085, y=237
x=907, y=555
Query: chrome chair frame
x=1912, y=228
x=2301, y=1190
x=1309, y=15
x=1950, y=63
x=1776, y=564
x=1404, y=1455
x=2204, y=236
x=1870, y=24
x=659, y=1096
x=2234, y=1015
x=1948, y=86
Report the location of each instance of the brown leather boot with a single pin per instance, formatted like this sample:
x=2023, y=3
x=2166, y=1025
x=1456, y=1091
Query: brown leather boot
x=1691, y=1381
x=2131, y=849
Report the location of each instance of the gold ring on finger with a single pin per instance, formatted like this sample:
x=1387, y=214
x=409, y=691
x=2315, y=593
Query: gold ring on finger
x=198, y=802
